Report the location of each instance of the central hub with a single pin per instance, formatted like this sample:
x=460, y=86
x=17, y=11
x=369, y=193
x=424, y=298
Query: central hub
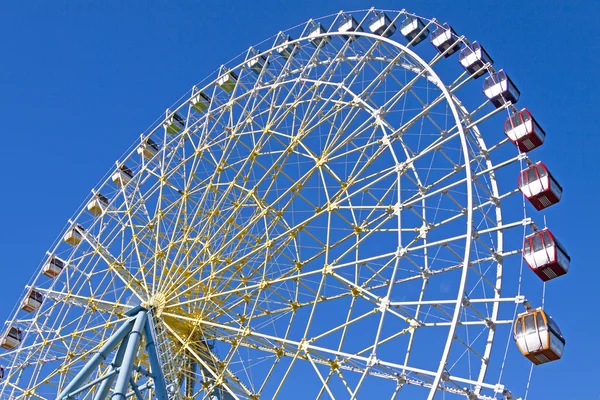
x=157, y=302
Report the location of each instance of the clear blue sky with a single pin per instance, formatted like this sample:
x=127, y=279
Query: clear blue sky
x=82, y=79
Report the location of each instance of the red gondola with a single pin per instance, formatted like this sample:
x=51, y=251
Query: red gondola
x=538, y=337
x=545, y=255
x=12, y=338
x=539, y=186
x=523, y=130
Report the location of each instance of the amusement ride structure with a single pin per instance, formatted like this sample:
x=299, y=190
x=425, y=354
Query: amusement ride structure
x=339, y=212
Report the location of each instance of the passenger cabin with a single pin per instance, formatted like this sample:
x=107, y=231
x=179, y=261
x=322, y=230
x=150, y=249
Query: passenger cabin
x=413, y=29
x=200, y=102
x=74, y=235
x=314, y=35
x=545, y=255
x=473, y=57
x=539, y=186
x=98, y=204
x=122, y=176
x=349, y=25
x=53, y=267
x=1, y=372
x=381, y=25
x=12, y=338
x=174, y=123
x=148, y=149
x=32, y=301
x=227, y=81
x=285, y=48
x=257, y=63
x=444, y=38
x=499, y=89
x=523, y=130
x=538, y=337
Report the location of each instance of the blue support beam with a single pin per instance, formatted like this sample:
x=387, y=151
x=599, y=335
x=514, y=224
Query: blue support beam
x=116, y=364
x=102, y=379
x=136, y=389
x=135, y=337
x=98, y=358
x=159, y=379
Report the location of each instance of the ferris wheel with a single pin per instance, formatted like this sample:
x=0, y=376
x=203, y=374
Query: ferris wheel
x=339, y=212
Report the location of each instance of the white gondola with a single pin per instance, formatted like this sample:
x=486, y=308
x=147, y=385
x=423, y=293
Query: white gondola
x=444, y=38
x=12, y=338
x=228, y=80
x=98, y=204
x=174, y=123
x=381, y=25
x=32, y=301
x=53, y=267
x=285, y=48
x=74, y=235
x=122, y=176
x=413, y=29
x=314, y=35
x=349, y=25
x=257, y=64
x=200, y=102
x=473, y=57
x=538, y=337
x=499, y=89
x=148, y=149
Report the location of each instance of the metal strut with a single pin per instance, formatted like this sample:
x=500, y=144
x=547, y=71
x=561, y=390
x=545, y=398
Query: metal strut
x=127, y=338
x=218, y=392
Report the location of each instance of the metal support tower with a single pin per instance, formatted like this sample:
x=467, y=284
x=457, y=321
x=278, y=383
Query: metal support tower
x=127, y=338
